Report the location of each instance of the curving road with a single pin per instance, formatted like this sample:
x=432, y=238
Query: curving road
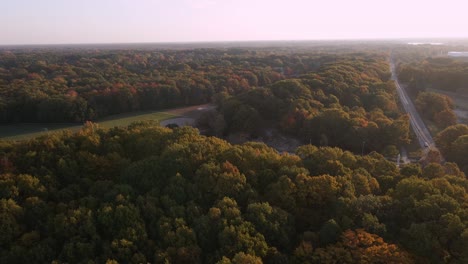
x=419, y=128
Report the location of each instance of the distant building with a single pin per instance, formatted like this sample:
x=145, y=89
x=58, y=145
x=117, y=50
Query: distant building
x=458, y=54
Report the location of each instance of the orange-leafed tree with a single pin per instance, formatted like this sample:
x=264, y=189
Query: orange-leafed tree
x=359, y=246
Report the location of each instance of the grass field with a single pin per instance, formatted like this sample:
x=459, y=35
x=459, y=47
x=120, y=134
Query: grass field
x=126, y=119
x=31, y=130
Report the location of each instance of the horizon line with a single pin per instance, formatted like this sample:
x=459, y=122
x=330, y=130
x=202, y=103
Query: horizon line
x=237, y=41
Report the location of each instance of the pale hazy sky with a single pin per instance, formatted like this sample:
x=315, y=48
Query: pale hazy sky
x=109, y=21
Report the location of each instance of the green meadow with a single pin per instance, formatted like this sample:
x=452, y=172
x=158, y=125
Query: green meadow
x=31, y=130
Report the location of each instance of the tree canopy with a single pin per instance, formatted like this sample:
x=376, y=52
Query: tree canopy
x=145, y=193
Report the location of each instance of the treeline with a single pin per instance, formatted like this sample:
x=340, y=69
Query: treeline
x=80, y=85
x=453, y=143
x=151, y=194
x=422, y=75
x=443, y=73
x=349, y=103
x=437, y=108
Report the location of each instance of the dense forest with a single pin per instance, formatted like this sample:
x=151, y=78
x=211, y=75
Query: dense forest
x=348, y=103
x=151, y=194
x=453, y=143
x=75, y=86
x=436, y=108
x=145, y=193
x=344, y=99
x=430, y=76
x=443, y=73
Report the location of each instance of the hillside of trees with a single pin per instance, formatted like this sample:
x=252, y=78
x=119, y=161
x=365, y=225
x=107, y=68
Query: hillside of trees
x=437, y=108
x=453, y=143
x=443, y=73
x=344, y=99
x=151, y=194
x=145, y=193
x=422, y=75
x=79, y=85
x=347, y=103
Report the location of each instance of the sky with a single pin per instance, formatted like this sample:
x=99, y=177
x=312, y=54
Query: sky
x=135, y=21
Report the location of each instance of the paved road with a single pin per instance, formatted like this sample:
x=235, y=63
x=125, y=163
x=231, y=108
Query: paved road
x=420, y=129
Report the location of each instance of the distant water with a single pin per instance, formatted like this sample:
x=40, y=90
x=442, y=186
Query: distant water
x=425, y=43
x=458, y=53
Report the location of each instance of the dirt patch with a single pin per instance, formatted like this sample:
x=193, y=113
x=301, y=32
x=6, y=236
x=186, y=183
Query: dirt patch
x=271, y=138
x=462, y=116
x=180, y=121
x=191, y=111
x=186, y=116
